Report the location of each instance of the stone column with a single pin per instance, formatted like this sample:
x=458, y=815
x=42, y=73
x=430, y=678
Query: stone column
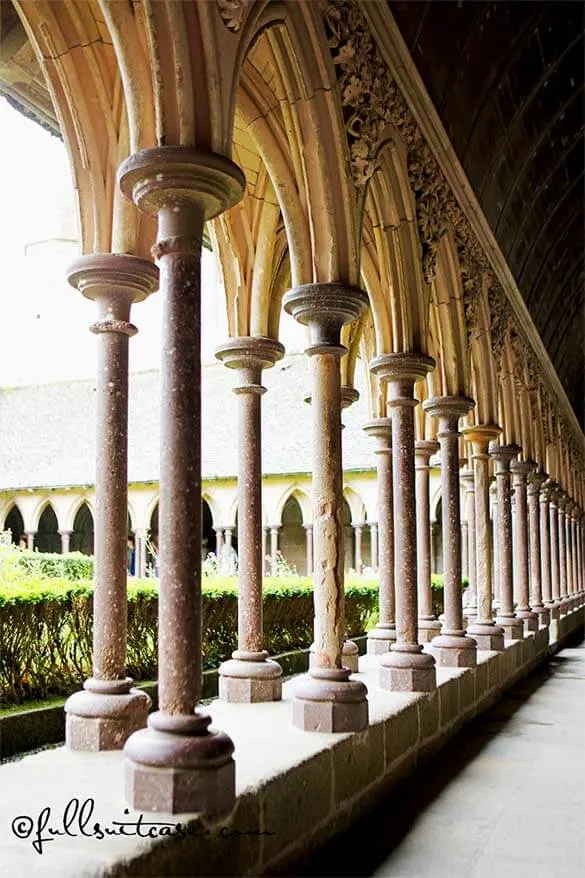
x=545, y=547
x=569, y=506
x=468, y=480
x=227, y=564
x=140, y=536
x=179, y=764
x=554, y=545
x=309, y=548
x=434, y=527
x=109, y=709
x=374, y=546
x=506, y=618
x=428, y=624
x=535, y=481
x=358, y=530
x=249, y=676
x=484, y=631
x=464, y=545
x=274, y=546
x=521, y=469
x=218, y=542
x=65, y=540
x=30, y=539
x=405, y=668
x=326, y=699
x=451, y=648
x=561, y=504
x=383, y=635
x=579, y=543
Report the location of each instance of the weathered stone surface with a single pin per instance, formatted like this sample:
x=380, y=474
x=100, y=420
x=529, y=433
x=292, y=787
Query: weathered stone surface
x=329, y=716
x=401, y=731
x=357, y=762
x=174, y=790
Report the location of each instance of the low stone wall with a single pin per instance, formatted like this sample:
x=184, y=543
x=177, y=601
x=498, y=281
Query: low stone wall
x=296, y=790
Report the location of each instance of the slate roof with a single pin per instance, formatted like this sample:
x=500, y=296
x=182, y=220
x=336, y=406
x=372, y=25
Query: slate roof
x=47, y=432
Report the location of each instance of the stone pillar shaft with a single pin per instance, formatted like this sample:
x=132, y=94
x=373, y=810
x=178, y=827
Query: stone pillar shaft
x=274, y=546
x=562, y=547
x=30, y=539
x=521, y=470
x=427, y=623
x=469, y=499
x=534, y=483
x=374, y=546
x=513, y=627
x=545, y=553
x=309, y=548
x=358, y=530
x=65, y=541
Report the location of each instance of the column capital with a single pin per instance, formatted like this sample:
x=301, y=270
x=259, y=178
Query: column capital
x=423, y=451
x=114, y=281
x=504, y=455
x=521, y=469
x=65, y=533
x=468, y=479
x=480, y=436
x=325, y=308
x=381, y=430
x=402, y=370
x=308, y=526
x=250, y=355
x=536, y=480
x=360, y=524
x=349, y=395
x=448, y=409
x=165, y=178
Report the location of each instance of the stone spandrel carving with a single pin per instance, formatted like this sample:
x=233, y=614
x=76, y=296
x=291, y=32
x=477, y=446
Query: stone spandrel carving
x=232, y=13
x=499, y=319
x=371, y=102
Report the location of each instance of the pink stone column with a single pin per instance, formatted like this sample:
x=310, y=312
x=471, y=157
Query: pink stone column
x=65, y=540
x=326, y=699
x=274, y=547
x=309, y=548
x=561, y=504
x=468, y=480
x=249, y=676
x=218, y=542
x=374, y=546
x=521, y=469
x=554, y=545
x=30, y=539
x=545, y=547
x=109, y=710
x=383, y=635
x=179, y=764
x=484, y=631
x=464, y=547
x=569, y=548
x=535, y=481
x=506, y=618
x=405, y=667
x=140, y=552
x=428, y=624
x=451, y=648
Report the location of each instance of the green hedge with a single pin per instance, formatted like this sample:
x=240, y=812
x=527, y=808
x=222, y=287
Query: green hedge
x=46, y=629
x=74, y=566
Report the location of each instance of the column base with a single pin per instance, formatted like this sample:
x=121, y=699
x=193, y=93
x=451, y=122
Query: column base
x=487, y=635
x=350, y=656
x=97, y=721
x=402, y=671
x=454, y=650
x=553, y=610
x=326, y=700
x=529, y=620
x=250, y=681
x=176, y=765
x=428, y=629
x=513, y=627
x=565, y=605
x=380, y=639
x=543, y=616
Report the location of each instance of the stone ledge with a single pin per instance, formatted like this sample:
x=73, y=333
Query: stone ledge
x=299, y=788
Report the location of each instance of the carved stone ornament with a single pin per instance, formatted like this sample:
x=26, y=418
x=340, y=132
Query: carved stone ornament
x=371, y=101
x=232, y=13
x=499, y=318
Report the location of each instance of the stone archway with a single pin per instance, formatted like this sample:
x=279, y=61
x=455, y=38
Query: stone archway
x=82, y=538
x=292, y=536
x=47, y=537
x=15, y=524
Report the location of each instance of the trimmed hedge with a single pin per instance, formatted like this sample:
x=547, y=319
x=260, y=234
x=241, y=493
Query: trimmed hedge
x=46, y=629
x=74, y=566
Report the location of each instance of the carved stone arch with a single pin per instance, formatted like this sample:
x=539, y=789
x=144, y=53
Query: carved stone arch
x=302, y=499
x=82, y=74
x=484, y=382
x=509, y=415
x=13, y=520
x=213, y=507
x=356, y=505
x=449, y=321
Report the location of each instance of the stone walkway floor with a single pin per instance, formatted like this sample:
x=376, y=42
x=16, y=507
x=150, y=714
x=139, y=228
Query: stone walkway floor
x=506, y=798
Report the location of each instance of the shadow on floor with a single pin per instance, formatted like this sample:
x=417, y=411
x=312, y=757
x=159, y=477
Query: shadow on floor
x=380, y=830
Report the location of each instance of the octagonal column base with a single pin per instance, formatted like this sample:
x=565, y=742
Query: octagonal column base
x=513, y=627
x=428, y=629
x=453, y=651
x=529, y=620
x=487, y=635
x=543, y=614
x=96, y=721
x=380, y=639
x=326, y=700
x=177, y=764
x=407, y=672
x=250, y=681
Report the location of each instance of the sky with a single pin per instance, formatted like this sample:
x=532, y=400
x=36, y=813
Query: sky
x=44, y=323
